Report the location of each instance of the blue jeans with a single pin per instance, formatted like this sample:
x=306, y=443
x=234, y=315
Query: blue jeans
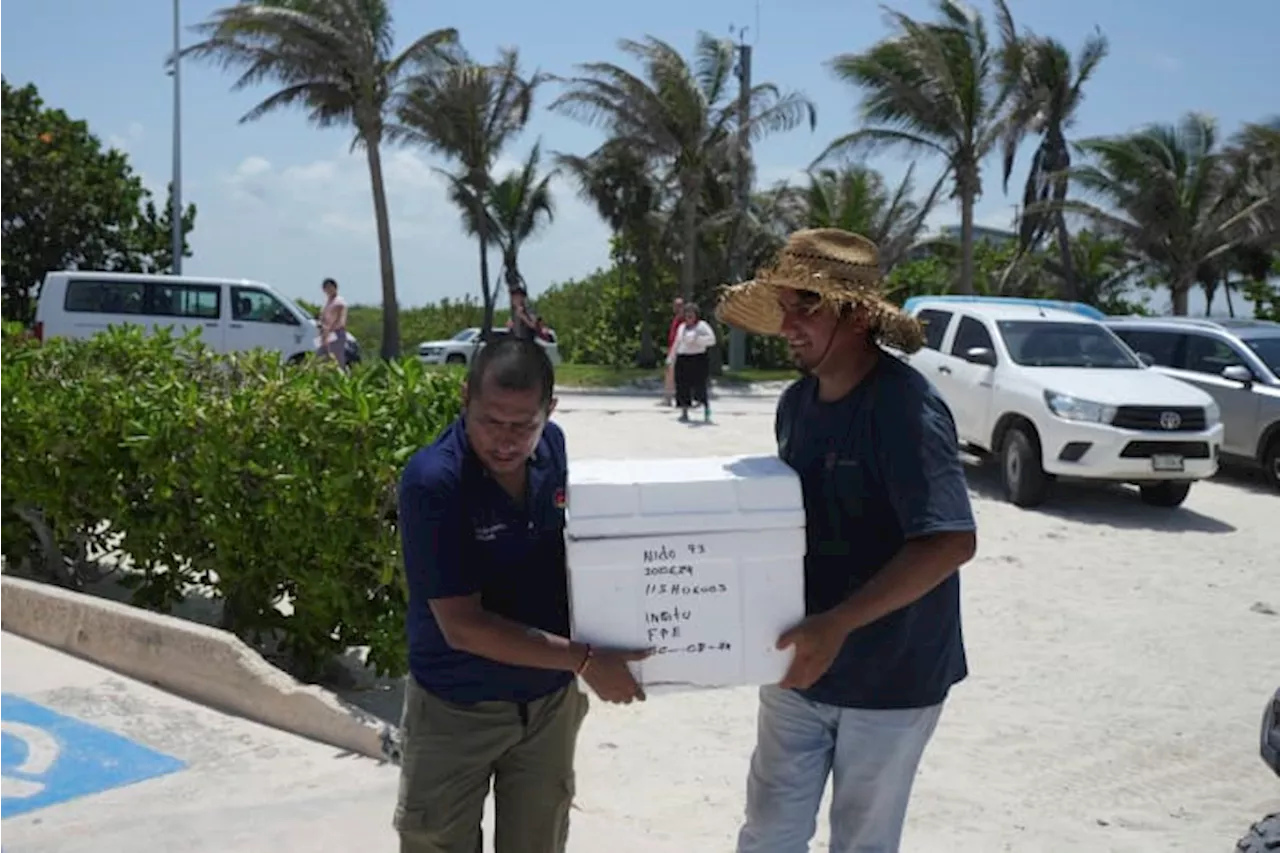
x=871, y=755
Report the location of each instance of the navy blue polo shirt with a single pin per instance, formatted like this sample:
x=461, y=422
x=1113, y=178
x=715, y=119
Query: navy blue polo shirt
x=463, y=535
x=878, y=467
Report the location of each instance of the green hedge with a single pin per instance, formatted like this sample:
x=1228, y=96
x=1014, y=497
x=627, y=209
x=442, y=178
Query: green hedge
x=260, y=482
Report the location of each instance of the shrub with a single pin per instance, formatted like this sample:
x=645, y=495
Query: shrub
x=265, y=483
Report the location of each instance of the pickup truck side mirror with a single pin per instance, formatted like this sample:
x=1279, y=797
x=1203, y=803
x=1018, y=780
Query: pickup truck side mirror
x=980, y=355
x=1238, y=373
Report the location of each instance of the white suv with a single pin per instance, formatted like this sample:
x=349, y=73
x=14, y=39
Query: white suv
x=462, y=347
x=1051, y=393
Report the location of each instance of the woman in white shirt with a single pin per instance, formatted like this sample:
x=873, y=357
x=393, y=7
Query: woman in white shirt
x=692, y=367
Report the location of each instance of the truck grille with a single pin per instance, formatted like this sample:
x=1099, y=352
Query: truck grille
x=1160, y=418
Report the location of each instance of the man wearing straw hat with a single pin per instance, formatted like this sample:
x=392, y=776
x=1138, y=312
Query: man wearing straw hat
x=888, y=526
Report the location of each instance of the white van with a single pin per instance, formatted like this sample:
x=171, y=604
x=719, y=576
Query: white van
x=233, y=315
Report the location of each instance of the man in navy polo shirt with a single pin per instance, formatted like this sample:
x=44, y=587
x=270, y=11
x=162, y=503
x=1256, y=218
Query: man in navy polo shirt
x=888, y=523
x=491, y=696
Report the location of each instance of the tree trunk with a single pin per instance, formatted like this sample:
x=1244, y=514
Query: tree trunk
x=1070, y=291
x=965, y=284
x=1179, y=291
x=644, y=272
x=511, y=268
x=390, y=307
x=689, y=240
x=487, y=328
x=1231, y=306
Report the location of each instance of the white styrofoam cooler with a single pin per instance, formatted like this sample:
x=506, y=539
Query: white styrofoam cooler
x=700, y=559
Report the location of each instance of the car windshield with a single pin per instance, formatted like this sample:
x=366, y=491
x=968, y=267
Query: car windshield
x=1045, y=343
x=464, y=336
x=1268, y=349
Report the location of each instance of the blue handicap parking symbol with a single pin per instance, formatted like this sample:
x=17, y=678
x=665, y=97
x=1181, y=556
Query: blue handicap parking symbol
x=48, y=758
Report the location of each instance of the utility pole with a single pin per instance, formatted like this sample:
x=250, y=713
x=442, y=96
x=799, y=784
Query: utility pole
x=737, y=338
x=175, y=214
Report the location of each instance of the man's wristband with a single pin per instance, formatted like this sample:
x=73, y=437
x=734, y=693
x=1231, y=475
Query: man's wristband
x=586, y=661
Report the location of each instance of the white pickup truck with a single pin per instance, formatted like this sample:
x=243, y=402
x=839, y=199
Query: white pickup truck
x=1051, y=393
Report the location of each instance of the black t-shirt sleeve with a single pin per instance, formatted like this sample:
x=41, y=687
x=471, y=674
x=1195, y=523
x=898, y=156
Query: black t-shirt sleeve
x=432, y=526
x=923, y=474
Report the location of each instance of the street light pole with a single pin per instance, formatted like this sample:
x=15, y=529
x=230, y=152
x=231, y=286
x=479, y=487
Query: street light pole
x=175, y=214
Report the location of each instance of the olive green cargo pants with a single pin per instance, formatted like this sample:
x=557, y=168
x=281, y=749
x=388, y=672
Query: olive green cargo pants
x=451, y=753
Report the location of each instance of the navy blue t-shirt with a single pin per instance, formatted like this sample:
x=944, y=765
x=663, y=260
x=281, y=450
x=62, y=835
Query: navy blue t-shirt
x=462, y=535
x=878, y=467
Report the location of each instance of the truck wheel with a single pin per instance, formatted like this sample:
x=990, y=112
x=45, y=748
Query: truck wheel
x=1168, y=494
x=1263, y=836
x=1271, y=462
x=456, y=359
x=1024, y=479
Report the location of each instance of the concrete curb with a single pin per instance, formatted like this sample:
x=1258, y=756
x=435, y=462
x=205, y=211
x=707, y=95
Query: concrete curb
x=200, y=663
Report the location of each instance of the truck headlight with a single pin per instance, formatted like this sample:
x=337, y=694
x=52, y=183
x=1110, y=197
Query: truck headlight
x=1212, y=415
x=1074, y=409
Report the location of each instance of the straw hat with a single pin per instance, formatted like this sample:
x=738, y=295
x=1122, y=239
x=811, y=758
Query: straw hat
x=841, y=267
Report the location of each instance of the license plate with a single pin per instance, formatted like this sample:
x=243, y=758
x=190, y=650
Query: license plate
x=1167, y=462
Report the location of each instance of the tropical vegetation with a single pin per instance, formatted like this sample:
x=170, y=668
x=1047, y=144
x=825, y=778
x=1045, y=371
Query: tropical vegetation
x=1177, y=206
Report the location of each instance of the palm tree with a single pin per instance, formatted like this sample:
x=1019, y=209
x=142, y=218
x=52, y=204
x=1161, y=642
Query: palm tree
x=1103, y=268
x=856, y=199
x=334, y=59
x=469, y=113
x=1170, y=194
x=1046, y=89
x=1255, y=153
x=628, y=198
x=931, y=88
x=680, y=118
x=519, y=205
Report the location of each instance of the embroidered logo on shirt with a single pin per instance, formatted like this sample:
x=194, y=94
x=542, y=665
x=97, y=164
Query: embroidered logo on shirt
x=560, y=501
x=490, y=532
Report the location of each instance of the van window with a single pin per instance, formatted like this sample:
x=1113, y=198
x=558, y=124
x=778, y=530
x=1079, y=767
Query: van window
x=87, y=296
x=971, y=334
x=185, y=300
x=1161, y=346
x=250, y=305
x=935, y=326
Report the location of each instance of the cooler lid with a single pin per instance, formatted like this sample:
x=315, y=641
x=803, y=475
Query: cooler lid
x=611, y=498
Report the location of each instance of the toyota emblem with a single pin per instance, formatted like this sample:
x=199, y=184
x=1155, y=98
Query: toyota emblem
x=1170, y=420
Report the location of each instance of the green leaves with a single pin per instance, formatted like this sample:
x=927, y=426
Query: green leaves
x=68, y=203
x=274, y=485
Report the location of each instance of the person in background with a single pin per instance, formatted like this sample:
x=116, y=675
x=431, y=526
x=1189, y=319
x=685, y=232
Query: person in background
x=888, y=526
x=491, y=697
x=333, y=323
x=669, y=375
x=523, y=322
x=693, y=367
x=544, y=331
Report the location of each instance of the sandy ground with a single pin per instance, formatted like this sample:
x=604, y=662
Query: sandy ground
x=1120, y=655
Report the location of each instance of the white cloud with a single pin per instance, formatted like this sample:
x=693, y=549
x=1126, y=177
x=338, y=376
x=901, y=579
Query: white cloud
x=292, y=224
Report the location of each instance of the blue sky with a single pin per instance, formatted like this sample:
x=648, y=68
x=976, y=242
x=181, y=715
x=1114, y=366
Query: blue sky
x=283, y=202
